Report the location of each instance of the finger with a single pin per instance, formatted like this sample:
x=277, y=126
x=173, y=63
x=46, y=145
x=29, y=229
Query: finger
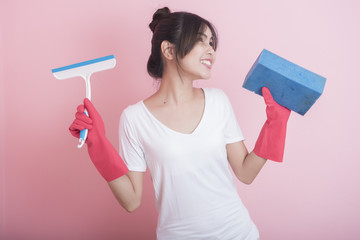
x=90, y=108
x=75, y=133
x=82, y=117
x=267, y=96
x=76, y=127
x=79, y=125
x=83, y=124
x=81, y=108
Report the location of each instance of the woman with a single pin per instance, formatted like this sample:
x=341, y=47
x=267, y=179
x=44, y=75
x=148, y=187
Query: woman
x=187, y=137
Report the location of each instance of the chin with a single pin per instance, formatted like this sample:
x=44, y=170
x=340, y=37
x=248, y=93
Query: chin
x=206, y=76
x=202, y=78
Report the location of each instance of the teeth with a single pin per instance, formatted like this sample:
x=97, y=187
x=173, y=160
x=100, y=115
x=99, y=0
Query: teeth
x=206, y=62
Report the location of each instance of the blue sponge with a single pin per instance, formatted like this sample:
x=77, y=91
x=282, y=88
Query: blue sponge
x=290, y=85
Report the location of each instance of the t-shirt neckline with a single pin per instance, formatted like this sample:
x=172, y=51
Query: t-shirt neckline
x=174, y=131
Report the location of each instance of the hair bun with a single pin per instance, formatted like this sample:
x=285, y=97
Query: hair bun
x=160, y=14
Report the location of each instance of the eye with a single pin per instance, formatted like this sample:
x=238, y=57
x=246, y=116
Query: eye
x=201, y=39
x=212, y=41
x=204, y=40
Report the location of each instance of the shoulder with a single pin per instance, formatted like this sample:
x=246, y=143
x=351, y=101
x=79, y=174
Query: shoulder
x=131, y=113
x=216, y=93
x=218, y=100
x=133, y=110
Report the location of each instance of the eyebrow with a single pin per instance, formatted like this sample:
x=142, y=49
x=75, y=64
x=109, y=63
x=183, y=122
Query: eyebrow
x=203, y=34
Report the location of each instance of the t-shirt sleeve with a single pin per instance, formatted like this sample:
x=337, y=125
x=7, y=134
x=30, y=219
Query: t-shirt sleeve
x=232, y=131
x=130, y=148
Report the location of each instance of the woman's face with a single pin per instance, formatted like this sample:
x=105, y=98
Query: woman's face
x=198, y=62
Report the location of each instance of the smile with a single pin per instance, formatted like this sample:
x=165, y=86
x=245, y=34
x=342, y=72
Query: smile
x=206, y=62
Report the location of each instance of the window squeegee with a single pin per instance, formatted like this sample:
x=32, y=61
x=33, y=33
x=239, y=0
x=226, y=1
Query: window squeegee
x=84, y=70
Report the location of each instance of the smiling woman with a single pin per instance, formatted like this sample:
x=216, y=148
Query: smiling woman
x=180, y=134
x=187, y=137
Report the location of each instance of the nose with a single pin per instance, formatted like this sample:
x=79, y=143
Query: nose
x=210, y=50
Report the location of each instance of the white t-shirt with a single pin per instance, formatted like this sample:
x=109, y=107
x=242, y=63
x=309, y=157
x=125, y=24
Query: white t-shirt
x=195, y=193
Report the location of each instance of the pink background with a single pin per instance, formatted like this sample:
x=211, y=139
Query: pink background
x=50, y=189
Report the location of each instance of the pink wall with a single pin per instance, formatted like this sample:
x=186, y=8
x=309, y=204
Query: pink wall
x=50, y=190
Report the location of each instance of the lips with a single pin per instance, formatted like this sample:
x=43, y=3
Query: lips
x=206, y=62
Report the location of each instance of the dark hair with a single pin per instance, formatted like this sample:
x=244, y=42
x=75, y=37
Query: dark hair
x=179, y=28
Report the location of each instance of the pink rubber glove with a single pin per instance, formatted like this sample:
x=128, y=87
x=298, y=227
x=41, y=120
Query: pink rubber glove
x=104, y=156
x=271, y=141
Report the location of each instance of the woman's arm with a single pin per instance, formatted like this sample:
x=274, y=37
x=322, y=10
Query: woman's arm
x=245, y=165
x=128, y=190
x=126, y=185
x=269, y=145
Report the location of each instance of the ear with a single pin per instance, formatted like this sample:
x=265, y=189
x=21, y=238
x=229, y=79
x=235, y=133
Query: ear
x=168, y=50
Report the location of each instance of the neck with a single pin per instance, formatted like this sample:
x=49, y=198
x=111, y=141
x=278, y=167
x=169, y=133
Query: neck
x=175, y=90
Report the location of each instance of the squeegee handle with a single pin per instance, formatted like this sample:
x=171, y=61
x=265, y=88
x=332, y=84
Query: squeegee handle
x=83, y=134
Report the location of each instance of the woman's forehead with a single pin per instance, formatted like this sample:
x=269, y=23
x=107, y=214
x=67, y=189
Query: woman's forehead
x=206, y=32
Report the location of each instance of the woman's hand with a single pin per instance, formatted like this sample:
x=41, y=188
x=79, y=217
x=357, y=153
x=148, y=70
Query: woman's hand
x=271, y=141
x=104, y=156
x=81, y=122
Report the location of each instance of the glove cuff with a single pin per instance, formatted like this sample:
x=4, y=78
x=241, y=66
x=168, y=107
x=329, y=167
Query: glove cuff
x=271, y=141
x=107, y=160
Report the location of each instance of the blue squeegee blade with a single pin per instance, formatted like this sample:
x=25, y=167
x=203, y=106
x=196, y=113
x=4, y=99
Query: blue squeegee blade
x=76, y=65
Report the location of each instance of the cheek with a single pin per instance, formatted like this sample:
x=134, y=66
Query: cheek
x=214, y=57
x=189, y=62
